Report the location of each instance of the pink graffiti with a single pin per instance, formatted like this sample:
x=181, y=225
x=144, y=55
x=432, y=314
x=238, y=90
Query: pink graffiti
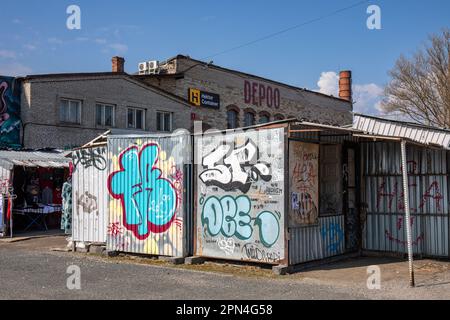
x=432, y=193
x=3, y=106
x=400, y=223
x=114, y=229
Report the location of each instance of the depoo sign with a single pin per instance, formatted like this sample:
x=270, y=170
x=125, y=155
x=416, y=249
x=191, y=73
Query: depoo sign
x=204, y=99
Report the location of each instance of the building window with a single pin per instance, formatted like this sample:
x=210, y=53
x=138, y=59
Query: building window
x=278, y=117
x=70, y=111
x=264, y=118
x=164, y=121
x=136, y=118
x=232, y=119
x=249, y=119
x=104, y=115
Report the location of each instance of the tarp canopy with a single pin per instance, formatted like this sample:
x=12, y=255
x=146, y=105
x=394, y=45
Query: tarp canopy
x=35, y=158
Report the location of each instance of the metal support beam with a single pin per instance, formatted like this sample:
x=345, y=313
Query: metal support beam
x=407, y=213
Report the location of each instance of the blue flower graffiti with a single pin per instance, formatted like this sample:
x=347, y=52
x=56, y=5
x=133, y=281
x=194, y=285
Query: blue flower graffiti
x=10, y=112
x=148, y=201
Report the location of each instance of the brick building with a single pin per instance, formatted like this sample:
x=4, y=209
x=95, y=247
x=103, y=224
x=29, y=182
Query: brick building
x=227, y=98
x=67, y=110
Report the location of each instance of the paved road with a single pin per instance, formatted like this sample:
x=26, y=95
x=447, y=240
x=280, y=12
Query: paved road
x=29, y=273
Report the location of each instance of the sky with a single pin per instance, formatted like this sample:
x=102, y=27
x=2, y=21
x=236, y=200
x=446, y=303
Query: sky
x=332, y=35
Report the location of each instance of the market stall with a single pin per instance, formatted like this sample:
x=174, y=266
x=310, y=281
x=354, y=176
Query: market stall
x=31, y=189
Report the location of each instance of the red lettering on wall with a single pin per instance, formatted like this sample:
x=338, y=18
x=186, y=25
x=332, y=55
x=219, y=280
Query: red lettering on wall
x=254, y=89
x=261, y=95
x=247, y=92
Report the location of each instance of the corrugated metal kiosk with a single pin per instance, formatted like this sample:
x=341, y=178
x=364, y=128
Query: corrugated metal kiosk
x=90, y=193
x=149, y=185
x=291, y=192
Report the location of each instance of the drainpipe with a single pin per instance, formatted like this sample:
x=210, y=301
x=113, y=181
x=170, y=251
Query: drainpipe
x=407, y=214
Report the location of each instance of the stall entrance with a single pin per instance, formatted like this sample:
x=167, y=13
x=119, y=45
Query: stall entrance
x=38, y=199
x=350, y=167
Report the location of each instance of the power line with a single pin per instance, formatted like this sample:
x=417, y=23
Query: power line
x=287, y=29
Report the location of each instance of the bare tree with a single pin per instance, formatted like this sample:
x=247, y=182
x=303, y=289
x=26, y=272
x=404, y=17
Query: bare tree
x=420, y=86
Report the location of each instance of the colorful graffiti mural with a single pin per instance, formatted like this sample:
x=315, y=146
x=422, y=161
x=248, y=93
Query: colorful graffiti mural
x=10, y=123
x=146, y=185
x=148, y=200
x=240, y=197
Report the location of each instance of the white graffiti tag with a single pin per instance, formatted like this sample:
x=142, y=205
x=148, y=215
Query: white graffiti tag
x=227, y=245
x=240, y=167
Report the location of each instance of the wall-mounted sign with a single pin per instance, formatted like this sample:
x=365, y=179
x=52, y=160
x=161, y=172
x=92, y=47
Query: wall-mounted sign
x=204, y=99
x=260, y=95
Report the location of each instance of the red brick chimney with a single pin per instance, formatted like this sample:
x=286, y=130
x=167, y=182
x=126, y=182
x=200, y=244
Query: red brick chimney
x=345, y=85
x=118, y=64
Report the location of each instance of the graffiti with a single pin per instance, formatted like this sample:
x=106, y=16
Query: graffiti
x=177, y=178
x=240, y=167
x=399, y=225
x=252, y=252
x=90, y=158
x=304, y=185
x=3, y=106
x=227, y=245
x=10, y=92
x=431, y=193
x=230, y=217
x=333, y=234
x=87, y=201
x=148, y=200
x=6, y=189
x=114, y=229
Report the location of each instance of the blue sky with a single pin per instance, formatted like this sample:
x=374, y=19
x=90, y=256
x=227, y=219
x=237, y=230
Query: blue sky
x=36, y=40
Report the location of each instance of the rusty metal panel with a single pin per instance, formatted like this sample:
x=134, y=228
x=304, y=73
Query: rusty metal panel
x=384, y=228
x=312, y=243
x=90, y=195
x=146, y=186
x=240, y=195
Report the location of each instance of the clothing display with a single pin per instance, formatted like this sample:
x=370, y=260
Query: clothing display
x=66, y=217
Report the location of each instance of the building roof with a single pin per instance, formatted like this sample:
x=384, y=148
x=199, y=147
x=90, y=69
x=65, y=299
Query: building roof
x=122, y=75
x=422, y=134
x=180, y=56
x=33, y=158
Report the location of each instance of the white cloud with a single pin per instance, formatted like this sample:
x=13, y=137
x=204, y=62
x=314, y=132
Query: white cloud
x=30, y=46
x=54, y=41
x=14, y=69
x=100, y=41
x=7, y=54
x=119, y=48
x=366, y=97
x=16, y=21
x=82, y=39
x=329, y=83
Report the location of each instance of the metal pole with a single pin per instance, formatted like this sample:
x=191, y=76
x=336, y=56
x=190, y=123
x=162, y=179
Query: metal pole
x=407, y=214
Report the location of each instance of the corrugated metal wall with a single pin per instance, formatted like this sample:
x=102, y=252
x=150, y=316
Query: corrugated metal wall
x=5, y=185
x=90, y=195
x=428, y=189
x=148, y=185
x=317, y=242
x=240, y=203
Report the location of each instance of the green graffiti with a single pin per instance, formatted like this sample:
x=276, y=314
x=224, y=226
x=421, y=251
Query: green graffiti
x=231, y=217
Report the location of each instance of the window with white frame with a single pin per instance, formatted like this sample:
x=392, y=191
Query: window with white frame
x=164, y=121
x=70, y=111
x=104, y=115
x=136, y=118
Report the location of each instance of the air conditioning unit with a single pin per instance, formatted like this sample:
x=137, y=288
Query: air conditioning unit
x=153, y=67
x=143, y=68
